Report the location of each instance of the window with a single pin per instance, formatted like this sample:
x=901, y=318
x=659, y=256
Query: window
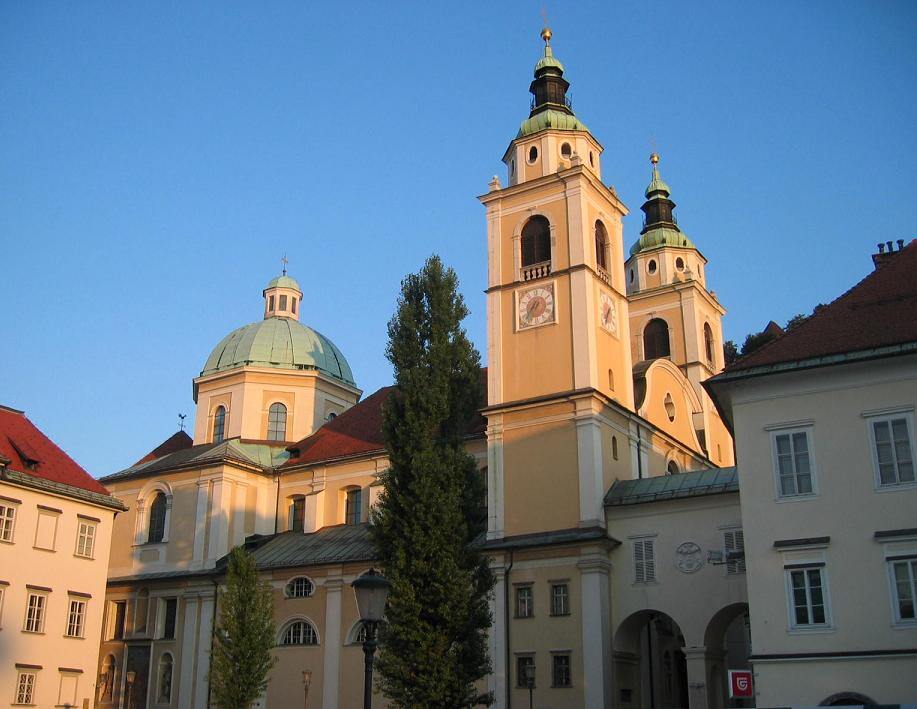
x=25, y=687
x=170, y=611
x=630, y=275
x=734, y=543
x=164, y=686
x=525, y=602
x=157, y=528
x=270, y=302
x=671, y=468
x=894, y=458
x=904, y=588
x=7, y=521
x=807, y=597
x=560, y=671
x=299, y=632
x=533, y=154
x=679, y=264
x=300, y=587
x=297, y=513
x=219, y=424
x=708, y=342
x=793, y=464
x=76, y=618
x=656, y=339
x=2, y=593
x=107, y=678
x=85, y=538
x=354, y=504
x=283, y=302
x=566, y=151
x=644, y=561
x=614, y=447
x=119, y=608
x=536, y=241
x=560, y=599
x=35, y=613
x=651, y=266
x=601, y=246
x=523, y=662
x=293, y=304
x=277, y=422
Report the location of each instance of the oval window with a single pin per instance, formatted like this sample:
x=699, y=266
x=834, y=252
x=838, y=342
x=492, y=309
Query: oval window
x=680, y=264
x=566, y=150
x=533, y=154
x=651, y=266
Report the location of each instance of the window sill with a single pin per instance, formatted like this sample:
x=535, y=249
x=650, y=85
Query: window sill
x=33, y=632
x=908, y=624
x=895, y=487
x=151, y=544
x=85, y=558
x=641, y=584
x=44, y=549
x=780, y=499
x=10, y=542
x=560, y=615
x=813, y=630
x=522, y=617
x=74, y=637
x=561, y=686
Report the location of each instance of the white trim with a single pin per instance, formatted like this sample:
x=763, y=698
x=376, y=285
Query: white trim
x=810, y=451
x=284, y=626
x=286, y=586
x=792, y=626
x=888, y=416
x=897, y=620
x=801, y=423
x=887, y=411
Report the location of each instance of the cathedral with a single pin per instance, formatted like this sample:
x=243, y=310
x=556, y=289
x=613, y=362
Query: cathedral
x=614, y=522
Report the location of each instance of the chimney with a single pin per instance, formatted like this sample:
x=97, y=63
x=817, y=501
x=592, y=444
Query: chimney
x=886, y=252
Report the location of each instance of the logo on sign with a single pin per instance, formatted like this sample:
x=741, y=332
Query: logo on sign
x=740, y=684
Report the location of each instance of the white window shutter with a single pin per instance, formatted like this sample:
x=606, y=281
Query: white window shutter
x=649, y=554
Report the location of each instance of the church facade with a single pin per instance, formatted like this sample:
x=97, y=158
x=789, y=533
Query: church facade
x=614, y=521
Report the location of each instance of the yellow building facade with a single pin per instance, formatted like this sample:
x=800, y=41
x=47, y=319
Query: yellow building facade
x=593, y=409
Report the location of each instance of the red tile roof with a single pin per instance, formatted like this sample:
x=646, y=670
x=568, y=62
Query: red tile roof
x=879, y=311
x=358, y=430
x=30, y=451
x=176, y=442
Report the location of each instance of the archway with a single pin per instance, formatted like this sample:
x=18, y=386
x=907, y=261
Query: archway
x=649, y=661
x=847, y=699
x=728, y=646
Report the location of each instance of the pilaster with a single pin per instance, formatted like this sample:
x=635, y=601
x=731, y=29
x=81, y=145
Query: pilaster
x=204, y=636
x=188, y=651
x=495, y=500
x=595, y=569
x=589, y=461
x=220, y=509
x=200, y=524
x=497, y=679
x=332, y=641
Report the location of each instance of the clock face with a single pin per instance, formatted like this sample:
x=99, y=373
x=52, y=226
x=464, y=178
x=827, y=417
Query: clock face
x=536, y=306
x=608, y=314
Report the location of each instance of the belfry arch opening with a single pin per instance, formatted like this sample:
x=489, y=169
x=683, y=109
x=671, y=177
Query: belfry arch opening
x=656, y=339
x=536, y=241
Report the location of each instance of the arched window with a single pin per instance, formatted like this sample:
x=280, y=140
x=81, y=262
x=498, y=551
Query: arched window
x=157, y=528
x=536, y=241
x=601, y=246
x=671, y=468
x=164, y=686
x=277, y=422
x=354, y=506
x=357, y=634
x=107, y=678
x=300, y=587
x=299, y=632
x=614, y=447
x=708, y=342
x=219, y=424
x=656, y=339
x=297, y=513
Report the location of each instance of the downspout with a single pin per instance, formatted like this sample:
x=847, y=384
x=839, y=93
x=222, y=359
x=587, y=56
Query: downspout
x=276, y=501
x=639, y=454
x=506, y=616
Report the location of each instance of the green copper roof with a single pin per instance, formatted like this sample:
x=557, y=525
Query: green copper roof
x=557, y=120
x=672, y=487
x=661, y=236
x=284, y=281
x=283, y=343
x=548, y=60
x=657, y=185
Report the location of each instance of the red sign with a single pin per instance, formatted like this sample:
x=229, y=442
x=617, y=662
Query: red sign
x=740, y=684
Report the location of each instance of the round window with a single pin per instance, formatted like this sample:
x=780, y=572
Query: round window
x=680, y=264
x=533, y=154
x=566, y=150
x=651, y=266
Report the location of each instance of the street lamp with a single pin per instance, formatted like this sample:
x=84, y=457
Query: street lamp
x=131, y=678
x=371, y=590
x=306, y=681
x=530, y=680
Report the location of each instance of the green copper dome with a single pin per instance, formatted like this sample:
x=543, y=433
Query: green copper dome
x=550, y=119
x=548, y=60
x=284, y=281
x=661, y=236
x=283, y=343
x=657, y=185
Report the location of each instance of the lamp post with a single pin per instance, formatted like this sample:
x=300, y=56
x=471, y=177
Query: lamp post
x=306, y=681
x=131, y=678
x=530, y=681
x=371, y=590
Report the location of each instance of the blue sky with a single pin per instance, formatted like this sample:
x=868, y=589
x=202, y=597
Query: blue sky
x=157, y=160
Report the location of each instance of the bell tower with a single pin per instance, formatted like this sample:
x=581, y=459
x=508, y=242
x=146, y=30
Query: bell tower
x=557, y=315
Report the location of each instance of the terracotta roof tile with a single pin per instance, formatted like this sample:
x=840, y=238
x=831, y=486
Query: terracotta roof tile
x=879, y=311
x=176, y=442
x=30, y=451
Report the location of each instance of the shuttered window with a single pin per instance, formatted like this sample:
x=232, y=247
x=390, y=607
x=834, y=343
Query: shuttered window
x=734, y=541
x=644, y=561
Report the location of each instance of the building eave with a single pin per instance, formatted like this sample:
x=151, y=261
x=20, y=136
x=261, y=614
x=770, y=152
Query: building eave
x=15, y=477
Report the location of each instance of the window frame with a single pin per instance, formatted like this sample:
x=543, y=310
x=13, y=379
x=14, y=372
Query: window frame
x=220, y=413
x=18, y=698
x=526, y=658
x=291, y=513
x=289, y=584
x=565, y=595
x=82, y=604
x=288, y=626
x=92, y=526
x=793, y=625
x=353, y=506
x=162, y=617
x=272, y=431
x=42, y=610
x=555, y=656
x=8, y=521
x=518, y=590
x=164, y=532
x=808, y=430
x=888, y=417
x=890, y=562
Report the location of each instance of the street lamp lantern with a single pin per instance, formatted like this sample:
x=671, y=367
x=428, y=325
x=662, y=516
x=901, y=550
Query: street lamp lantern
x=530, y=680
x=131, y=677
x=306, y=682
x=371, y=590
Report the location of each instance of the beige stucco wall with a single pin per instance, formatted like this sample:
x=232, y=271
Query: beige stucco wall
x=61, y=571
x=848, y=507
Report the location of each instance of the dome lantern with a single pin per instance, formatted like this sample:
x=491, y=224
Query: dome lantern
x=282, y=298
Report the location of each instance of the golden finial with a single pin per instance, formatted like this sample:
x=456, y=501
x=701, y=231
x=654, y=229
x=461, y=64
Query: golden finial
x=654, y=158
x=546, y=36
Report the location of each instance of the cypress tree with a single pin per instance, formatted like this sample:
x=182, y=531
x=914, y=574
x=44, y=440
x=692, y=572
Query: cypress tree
x=244, y=637
x=432, y=508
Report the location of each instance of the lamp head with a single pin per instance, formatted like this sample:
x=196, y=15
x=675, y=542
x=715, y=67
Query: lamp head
x=307, y=677
x=131, y=676
x=371, y=590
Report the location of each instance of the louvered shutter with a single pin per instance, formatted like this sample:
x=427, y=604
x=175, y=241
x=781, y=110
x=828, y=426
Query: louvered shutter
x=735, y=541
